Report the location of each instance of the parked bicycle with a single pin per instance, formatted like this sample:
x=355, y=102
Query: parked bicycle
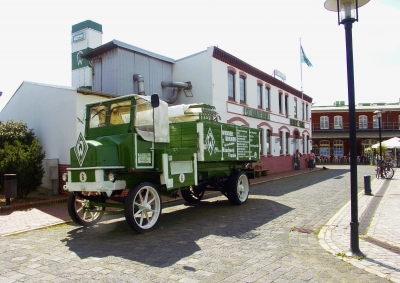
x=384, y=170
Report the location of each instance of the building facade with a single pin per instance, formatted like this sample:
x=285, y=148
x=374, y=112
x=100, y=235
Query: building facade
x=330, y=127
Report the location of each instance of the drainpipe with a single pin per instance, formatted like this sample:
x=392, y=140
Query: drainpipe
x=138, y=78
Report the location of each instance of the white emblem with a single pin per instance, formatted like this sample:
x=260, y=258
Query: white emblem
x=78, y=57
x=182, y=178
x=82, y=177
x=210, y=141
x=81, y=149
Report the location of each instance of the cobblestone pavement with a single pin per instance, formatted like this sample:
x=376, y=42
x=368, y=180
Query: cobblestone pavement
x=212, y=241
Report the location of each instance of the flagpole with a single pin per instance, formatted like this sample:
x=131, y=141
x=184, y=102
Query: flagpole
x=301, y=77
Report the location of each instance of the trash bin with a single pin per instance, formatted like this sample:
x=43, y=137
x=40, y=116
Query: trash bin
x=10, y=187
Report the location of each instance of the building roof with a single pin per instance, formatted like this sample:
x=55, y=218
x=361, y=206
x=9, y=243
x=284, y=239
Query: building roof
x=119, y=44
x=236, y=62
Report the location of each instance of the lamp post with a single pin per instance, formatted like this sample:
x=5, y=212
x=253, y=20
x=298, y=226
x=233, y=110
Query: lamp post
x=347, y=11
x=379, y=114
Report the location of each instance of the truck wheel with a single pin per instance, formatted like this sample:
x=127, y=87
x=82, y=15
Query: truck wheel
x=238, y=188
x=83, y=212
x=192, y=194
x=142, y=207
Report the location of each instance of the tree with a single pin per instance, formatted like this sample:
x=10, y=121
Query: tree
x=21, y=154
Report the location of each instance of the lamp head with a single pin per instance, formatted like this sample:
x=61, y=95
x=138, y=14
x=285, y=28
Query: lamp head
x=347, y=9
x=379, y=113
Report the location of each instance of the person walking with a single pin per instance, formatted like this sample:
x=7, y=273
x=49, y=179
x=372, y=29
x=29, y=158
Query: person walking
x=297, y=157
x=311, y=158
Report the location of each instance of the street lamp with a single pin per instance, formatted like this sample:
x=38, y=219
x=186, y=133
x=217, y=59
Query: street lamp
x=379, y=114
x=347, y=11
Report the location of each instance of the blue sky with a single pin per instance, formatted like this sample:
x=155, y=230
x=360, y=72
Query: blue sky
x=35, y=40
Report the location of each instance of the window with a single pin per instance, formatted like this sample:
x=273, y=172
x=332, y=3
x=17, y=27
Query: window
x=307, y=112
x=267, y=99
x=98, y=116
x=286, y=106
x=302, y=111
x=363, y=122
x=242, y=81
x=281, y=142
x=120, y=113
x=231, y=86
x=338, y=147
x=324, y=122
x=261, y=141
x=295, y=108
x=324, y=148
x=269, y=135
x=287, y=142
x=280, y=103
x=338, y=122
x=375, y=122
x=259, y=95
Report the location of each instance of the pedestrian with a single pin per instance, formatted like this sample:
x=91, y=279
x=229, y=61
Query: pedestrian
x=297, y=157
x=311, y=158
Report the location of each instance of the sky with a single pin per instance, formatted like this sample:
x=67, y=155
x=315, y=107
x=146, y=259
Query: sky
x=35, y=40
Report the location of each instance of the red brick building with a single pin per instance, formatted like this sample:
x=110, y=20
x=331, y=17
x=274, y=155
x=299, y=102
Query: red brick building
x=330, y=128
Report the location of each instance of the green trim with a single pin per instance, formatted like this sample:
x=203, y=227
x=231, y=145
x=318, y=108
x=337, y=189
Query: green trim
x=87, y=24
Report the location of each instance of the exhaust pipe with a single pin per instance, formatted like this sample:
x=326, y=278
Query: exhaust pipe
x=138, y=78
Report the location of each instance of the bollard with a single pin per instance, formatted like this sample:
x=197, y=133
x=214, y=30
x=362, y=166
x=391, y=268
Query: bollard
x=10, y=187
x=367, y=185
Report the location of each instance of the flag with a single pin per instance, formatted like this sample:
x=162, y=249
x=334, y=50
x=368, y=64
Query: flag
x=304, y=58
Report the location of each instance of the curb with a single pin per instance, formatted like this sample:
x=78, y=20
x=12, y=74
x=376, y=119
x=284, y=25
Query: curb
x=31, y=204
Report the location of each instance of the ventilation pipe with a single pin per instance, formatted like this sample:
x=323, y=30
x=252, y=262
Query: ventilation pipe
x=138, y=78
x=178, y=86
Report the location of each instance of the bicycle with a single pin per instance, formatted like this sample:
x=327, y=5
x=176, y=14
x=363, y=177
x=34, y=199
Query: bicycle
x=384, y=170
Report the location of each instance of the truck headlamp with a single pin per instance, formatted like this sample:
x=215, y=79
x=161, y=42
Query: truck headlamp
x=65, y=177
x=112, y=177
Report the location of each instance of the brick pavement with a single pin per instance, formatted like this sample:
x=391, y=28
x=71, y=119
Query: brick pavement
x=334, y=237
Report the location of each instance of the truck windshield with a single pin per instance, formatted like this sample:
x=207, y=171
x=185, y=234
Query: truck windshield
x=118, y=113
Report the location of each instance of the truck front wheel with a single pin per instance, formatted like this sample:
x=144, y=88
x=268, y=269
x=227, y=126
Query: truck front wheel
x=83, y=212
x=142, y=207
x=238, y=188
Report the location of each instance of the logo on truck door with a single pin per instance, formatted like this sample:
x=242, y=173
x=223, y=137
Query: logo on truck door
x=81, y=149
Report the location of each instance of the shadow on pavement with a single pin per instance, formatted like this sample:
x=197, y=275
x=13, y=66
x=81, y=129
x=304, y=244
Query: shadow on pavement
x=178, y=232
x=278, y=188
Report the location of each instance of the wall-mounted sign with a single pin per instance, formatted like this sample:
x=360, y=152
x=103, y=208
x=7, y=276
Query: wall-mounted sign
x=279, y=74
x=256, y=113
x=78, y=37
x=78, y=62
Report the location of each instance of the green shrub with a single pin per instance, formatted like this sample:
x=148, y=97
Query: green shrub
x=21, y=154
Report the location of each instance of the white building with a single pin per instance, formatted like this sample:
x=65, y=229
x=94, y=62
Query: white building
x=245, y=95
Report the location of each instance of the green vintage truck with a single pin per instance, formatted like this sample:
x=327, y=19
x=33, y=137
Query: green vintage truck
x=136, y=148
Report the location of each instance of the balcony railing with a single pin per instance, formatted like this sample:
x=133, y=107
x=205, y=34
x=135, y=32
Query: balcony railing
x=362, y=127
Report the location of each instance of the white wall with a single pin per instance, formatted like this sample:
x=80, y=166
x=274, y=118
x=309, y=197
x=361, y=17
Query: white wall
x=47, y=110
x=196, y=69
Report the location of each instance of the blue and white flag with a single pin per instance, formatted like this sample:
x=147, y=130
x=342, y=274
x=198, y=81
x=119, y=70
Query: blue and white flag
x=304, y=58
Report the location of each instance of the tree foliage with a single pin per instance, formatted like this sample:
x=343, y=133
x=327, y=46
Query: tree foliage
x=21, y=154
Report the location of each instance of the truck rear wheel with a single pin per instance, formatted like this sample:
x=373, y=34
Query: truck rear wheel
x=142, y=207
x=238, y=188
x=192, y=194
x=82, y=212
